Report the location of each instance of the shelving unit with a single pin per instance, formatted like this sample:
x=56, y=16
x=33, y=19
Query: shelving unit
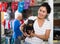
x=56, y=14
x=56, y=20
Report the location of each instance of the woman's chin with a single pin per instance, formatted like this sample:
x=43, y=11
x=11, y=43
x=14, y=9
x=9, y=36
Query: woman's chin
x=40, y=17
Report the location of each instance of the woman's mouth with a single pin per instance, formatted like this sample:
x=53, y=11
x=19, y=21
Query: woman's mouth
x=40, y=15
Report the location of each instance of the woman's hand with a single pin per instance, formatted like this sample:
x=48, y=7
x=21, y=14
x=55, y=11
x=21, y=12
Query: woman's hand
x=26, y=35
x=19, y=37
x=32, y=34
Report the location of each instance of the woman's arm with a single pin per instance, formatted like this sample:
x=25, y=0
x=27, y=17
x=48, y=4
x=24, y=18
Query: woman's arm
x=24, y=33
x=45, y=36
x=22, y=26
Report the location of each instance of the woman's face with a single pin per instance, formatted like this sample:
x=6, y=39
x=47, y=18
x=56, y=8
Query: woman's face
x=42, y=12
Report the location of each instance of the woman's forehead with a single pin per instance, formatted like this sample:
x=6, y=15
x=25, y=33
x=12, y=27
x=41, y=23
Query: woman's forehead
x=42, y=8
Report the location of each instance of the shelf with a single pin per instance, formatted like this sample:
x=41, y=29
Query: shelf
x=57, y=11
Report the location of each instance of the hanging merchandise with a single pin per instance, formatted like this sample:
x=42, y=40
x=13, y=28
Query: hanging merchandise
x=28, y=1
x=0, y=6
x=16, y=0
x=20, y=6
x=26, y=4
x=22, y=21
x=14, y=6
x=22, y=0
x=32, y=2
x=5, y=6
x=6, y=24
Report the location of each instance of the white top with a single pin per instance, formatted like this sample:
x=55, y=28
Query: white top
x=40, y=31
x=6, y=16
x=6, y=25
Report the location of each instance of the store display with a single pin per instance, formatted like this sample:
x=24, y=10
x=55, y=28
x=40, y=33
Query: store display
x=7, y=40
x=26, y=4
x=32, y=2
x=6, y=24
x=0, y=6
x=14, y=6
x=20, y=6
x=5, y=6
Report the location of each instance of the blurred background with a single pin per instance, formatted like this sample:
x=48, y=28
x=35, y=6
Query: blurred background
x=56, y=30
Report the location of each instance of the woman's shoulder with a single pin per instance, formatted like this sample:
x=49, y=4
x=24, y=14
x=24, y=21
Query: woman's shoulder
x=48, y=24
x=47, y=21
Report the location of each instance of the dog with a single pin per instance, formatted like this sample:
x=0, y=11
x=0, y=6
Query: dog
x=28, y=28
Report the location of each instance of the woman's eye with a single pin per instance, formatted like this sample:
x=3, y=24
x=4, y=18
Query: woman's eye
x=40, y=10
x=43, y=11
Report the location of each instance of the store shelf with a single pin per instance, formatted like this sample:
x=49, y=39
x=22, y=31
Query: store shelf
x=57, y=11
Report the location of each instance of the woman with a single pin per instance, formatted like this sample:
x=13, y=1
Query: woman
x=41, y=26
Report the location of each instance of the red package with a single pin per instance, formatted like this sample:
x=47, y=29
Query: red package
x=32, y=2
x=22, y=21
x=0, y=6
x=5, y=6
x=14, y=6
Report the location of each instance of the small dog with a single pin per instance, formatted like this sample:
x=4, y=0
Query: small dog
x=28, y=28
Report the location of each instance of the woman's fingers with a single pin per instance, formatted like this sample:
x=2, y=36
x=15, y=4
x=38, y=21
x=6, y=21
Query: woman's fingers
x=19, y=37
x=32, y=34
x=25, y=34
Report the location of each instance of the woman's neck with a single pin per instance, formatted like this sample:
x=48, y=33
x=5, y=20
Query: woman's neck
x=40, y=19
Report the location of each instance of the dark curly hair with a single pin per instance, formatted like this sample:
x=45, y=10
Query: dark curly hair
x=47, y=7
